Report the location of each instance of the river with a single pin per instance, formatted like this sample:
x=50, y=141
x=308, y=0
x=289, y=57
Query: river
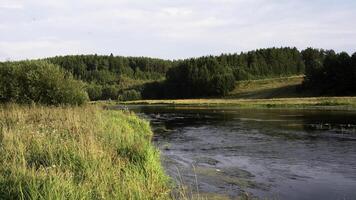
x=274, y=154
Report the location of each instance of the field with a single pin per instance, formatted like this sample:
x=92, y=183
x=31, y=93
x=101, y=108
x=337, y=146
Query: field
x=77, y=153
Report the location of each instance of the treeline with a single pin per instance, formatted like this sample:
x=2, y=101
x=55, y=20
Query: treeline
x=264, y=63
x=52, y=80
x=216, y=75
x=107, y=69
x=109, y=77
x=191, y=78
x=329, y=73
x=117, y=77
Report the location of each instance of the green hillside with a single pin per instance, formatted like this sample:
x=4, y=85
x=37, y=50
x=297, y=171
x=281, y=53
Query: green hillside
x=268, y=88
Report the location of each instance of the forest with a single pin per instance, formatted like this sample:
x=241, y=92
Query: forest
x=53, y=80
x=329, y=73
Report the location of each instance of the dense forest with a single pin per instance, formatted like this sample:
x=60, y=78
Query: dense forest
x=112, y=77
x=264, y=63
x=129, y=78
x=193, y=78
x=329, y=73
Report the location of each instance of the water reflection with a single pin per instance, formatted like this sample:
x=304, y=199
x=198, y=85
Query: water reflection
x=283, y=154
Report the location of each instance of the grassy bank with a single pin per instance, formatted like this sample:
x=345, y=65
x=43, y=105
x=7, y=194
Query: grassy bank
x=77, y=153
x=329, y=103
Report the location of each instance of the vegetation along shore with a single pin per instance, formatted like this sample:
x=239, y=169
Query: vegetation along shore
x=77, y=153
x=325, y=103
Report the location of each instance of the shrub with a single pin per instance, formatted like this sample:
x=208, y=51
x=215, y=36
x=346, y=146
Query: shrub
x=94, y=91
x=110, y=92
x=39, y=82
x=130, y=95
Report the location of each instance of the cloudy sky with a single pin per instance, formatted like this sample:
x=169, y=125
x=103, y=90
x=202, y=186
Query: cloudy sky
x=171, y=28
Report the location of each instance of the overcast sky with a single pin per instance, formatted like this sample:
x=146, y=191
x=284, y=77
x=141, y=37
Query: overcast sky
x=171, y=28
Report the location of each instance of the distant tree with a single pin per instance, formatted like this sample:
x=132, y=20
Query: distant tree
x=110, y=92
x=328, y=73
x=353, y=66
x=130, y=95
x=200, y=77
x=94, y=92
x=264, y=63
x=9, y=85
x=313, y=60
x=103, y=77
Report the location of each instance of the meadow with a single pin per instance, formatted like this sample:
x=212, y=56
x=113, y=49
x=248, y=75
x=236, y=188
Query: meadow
x=77, y=153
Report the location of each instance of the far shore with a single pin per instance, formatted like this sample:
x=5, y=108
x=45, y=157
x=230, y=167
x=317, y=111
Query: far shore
x=321, y=103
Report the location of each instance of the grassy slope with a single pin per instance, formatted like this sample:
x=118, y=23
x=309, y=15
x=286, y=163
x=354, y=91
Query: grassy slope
x=77, y=153
x=267, y=88
x=126, y=83
x=267, y=93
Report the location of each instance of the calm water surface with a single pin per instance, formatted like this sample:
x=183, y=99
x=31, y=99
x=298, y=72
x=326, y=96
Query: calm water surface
x=275, y=154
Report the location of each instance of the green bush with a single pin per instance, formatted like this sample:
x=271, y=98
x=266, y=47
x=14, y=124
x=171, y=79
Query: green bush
x=110, y=92
x=94, y=92
x=39, y=82
x=130, y=95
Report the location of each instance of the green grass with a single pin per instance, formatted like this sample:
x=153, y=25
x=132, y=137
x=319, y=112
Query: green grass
x=77, y=153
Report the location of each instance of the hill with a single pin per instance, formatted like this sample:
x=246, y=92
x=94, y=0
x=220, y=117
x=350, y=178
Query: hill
x=268, y=88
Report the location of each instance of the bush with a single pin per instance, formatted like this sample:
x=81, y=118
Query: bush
x=130, y=95
x=39, y=82
x=94, y=92
x=110, y=92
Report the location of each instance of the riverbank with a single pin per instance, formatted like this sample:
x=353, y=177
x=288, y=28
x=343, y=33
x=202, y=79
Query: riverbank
x=77, y=153
x=265, y=94
x=325, y=103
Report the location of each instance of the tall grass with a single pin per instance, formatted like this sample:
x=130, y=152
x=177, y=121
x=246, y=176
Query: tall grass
x=77, y=153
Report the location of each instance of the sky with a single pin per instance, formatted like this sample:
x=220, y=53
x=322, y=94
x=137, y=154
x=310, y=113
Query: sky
x=171, y=29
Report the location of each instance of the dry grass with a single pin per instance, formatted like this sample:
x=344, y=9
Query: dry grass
x=342, y=103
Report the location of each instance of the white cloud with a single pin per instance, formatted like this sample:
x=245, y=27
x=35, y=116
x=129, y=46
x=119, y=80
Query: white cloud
x=11, y=5
x=39, y=48
x=171, y=29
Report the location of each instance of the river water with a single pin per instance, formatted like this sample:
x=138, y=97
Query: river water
x=274, y=154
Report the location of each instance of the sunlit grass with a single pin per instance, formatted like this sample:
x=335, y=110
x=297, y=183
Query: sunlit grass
x=310, y=102
x=268, y=88
x=77, y=153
